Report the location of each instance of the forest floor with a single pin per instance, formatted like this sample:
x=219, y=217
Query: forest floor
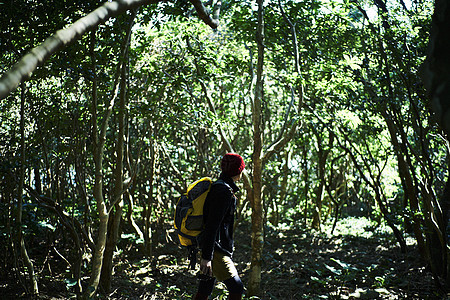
x=357, y=262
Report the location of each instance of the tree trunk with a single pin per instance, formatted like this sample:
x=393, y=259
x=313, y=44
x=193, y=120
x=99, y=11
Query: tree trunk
x=148, y=234
x=437, y=65
x=133, y=167
x=254, y=284
x=436, y=77
x=98, y=149
x=117, y=203
x=116, y=213
x=306, y=182
x=408, y=184
x=20, y=240
x=322, y=160
x=259, y=159
x=317, y=212
x=283, y=189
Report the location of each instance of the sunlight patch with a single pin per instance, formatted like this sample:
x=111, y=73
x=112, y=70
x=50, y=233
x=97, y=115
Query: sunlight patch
x=349, y=118
x=360, y=227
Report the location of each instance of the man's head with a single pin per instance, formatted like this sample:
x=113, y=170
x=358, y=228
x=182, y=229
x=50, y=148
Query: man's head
x=232, y=164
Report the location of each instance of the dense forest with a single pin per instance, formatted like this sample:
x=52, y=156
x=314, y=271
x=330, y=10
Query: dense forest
x=109, y=110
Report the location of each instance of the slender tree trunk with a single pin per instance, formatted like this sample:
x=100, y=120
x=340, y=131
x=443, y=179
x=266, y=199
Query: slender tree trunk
x=77, y=249
x=97, y=257
x=115, y=215
x=111, y=242
x=21, y=242
x=336, y=188
x=254, y=285
x=408, y=185
x=132, y=167
x=317, y=212
x=129, y=198
x=283, y=189
x=115, y=218
x=306, y=181
x=148, y=237
x=322, y=160
x=98, y=150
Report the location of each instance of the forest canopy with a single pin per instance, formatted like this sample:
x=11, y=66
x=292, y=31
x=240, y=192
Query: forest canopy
x=110, y=110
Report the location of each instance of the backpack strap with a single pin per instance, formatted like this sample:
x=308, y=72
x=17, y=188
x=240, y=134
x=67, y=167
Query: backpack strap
x=192, y=256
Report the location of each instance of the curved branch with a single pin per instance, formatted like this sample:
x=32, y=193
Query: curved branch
x=37, y=56
x=225, y=141
x=281, y=143
x=283, y=137
x=203, y=13
x=175, y=170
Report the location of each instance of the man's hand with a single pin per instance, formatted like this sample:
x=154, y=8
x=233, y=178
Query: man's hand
x=206, y=267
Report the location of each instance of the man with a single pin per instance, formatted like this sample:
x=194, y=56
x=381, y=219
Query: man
x=216, y=242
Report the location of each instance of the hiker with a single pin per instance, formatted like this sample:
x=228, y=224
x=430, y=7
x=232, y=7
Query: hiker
x=216, y=242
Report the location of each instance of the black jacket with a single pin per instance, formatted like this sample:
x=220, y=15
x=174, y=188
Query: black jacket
x=218, y=212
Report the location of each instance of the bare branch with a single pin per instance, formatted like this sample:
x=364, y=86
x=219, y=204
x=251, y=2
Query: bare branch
x=280, y=144
x=70, y=222
x=37, y=56
x=203, y=13
x=176, y=171
x=281, y=140
x=284, y=137
x=225, y=141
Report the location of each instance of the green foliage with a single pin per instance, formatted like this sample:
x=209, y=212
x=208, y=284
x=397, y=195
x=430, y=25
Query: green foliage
x=357, y=75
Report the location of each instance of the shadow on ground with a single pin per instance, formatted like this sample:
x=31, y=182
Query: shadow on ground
x=297, y=264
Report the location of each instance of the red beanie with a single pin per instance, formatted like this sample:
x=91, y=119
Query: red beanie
x=232, y=164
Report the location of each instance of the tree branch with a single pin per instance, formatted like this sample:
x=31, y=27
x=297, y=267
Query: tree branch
x=175, y=169
x=66, y=219
x=203, y=13
x=37, y=56
x=225, y=141
x=284, y=136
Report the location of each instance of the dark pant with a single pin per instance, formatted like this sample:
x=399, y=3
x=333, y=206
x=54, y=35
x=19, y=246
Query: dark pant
x=234, y=286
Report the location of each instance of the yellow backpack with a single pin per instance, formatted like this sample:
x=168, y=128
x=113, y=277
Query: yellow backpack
x=188, y=220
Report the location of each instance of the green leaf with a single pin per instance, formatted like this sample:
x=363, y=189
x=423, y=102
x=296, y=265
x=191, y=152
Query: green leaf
x=70, y=282
x=47, y=225
x=333, y=270
x=341, y=264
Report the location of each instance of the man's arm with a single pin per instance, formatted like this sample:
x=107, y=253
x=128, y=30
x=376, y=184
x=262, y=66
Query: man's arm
x=219, y=201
